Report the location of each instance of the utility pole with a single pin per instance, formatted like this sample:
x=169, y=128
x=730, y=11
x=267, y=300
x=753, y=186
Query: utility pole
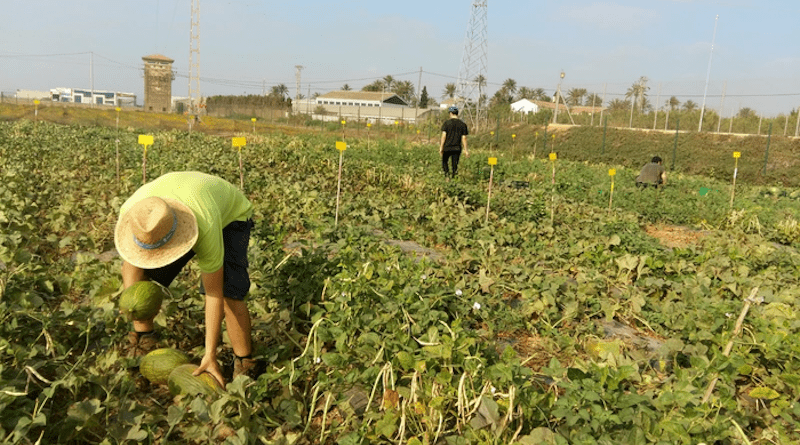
x=708, y=75
x=721, y=104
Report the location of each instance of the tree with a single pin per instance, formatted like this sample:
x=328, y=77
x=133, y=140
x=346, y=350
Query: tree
x=280, y=90
x=689, y=105
x=423, y=98
x=638, y=93
x=525, y=93
x=404, y=89
x=746, y=112
x=539, y=94
x=480, y=80
x=388, y=82
x=593, y=100
x=619, y=105
x=449, y=91
x=510, y=86
x=376, y=86
x=346, y=87
x=673, y=103
x=575, y=96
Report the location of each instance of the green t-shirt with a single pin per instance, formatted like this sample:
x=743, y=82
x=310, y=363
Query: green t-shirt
x=214, y=202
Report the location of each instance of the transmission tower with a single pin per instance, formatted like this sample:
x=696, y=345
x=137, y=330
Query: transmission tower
x=472, y=73
x=297, y=68
x=194, y=59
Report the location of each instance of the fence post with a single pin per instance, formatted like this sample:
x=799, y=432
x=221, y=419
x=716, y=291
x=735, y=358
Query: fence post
x=766, y=153
x=675, y=144
x=605, y=129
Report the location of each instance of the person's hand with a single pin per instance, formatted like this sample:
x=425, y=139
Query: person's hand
x=441, y=151
x=466, y=154
x=210, y=364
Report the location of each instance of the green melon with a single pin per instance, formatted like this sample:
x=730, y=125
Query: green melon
x=181, y=381
x=142, y=300
x=156, y=365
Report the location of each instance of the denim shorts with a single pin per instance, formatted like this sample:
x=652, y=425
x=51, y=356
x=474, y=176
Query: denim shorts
x=236, y=279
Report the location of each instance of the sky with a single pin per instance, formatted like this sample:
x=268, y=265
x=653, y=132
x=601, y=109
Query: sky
x=728, y=54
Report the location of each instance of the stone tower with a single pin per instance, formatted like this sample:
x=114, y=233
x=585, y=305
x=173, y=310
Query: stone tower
x=158, y=78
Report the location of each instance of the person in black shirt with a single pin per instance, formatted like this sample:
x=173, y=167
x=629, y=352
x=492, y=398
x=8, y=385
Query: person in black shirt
x=454, y=141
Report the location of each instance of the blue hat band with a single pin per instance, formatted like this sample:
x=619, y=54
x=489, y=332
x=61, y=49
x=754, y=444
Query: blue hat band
x=163, y=240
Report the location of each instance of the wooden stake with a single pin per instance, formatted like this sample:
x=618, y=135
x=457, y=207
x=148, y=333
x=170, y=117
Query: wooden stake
x=492, y=163
x=341, y=146
x=736, y=330
x=736, y=156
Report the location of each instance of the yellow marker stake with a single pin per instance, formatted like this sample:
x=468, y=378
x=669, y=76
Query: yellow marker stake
x=239, y=142
x=553, y=158
x=145, y=140
x=35, y=108
x=611, y=172
x=535, y=141
x=343, y=124
x=341, y=146
x=492, y=163
x=736, y=156
x=254, y=124
x=368, y=126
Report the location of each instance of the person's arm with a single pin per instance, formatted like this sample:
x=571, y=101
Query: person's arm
x=664, y=178
x=441, y=143
x=212, y=282
x=464, y=145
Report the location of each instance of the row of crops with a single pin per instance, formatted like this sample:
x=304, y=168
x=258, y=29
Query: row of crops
x=416, y=319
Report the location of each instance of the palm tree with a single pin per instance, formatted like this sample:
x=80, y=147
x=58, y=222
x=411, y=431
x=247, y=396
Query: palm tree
x=618, y=105
x=480, y=80
x=575, y=96
x=280, y=90
x=746, y=112
x=510, y=85
x=376, y=86
x=525, y=93
x=689, y=105
x=345, y=87
x=593, y=100
x=404, y=89
x=638, y=92
x=449, y=91
x=388, y=81
x=539, y=94
x=673, y=102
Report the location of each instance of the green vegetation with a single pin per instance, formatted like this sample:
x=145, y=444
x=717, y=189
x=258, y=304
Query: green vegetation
x=414, y=320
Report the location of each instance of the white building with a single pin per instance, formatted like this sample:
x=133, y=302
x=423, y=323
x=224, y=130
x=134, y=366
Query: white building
x=525, y=106
x=88, y=96
x=381, y=107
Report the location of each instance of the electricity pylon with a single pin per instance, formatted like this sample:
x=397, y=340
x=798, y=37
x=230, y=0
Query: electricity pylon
x=471, y=84
x=194, y=60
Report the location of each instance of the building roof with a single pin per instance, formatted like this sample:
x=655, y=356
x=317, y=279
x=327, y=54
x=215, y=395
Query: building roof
x=364, y=95
x=157, y=58
x=572, y=109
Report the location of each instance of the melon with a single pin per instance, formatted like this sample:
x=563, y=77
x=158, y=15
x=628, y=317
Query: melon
x=181, y=381
x=142, y=300
x=156, y=365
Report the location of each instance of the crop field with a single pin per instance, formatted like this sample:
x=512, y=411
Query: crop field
x=559, y=316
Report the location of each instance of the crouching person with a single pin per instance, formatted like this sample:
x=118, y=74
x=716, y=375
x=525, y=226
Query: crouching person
x=185, y=215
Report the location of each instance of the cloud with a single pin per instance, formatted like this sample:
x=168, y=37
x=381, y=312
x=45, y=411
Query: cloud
x=610, y=16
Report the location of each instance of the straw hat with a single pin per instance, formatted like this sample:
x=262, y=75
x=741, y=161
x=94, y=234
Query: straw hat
x=155, y=232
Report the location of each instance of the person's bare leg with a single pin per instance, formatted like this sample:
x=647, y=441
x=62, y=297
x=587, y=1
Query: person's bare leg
x=237, y=321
